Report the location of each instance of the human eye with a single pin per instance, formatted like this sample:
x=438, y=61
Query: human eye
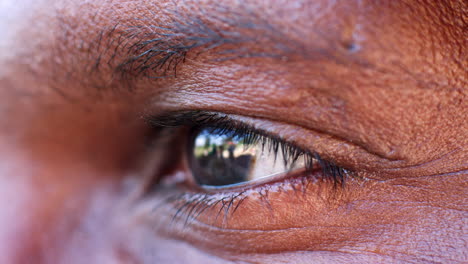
x=227, y=172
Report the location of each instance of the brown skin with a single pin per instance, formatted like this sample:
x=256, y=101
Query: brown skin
x=377, y=87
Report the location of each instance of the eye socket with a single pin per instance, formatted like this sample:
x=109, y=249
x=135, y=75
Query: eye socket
x=224, y=158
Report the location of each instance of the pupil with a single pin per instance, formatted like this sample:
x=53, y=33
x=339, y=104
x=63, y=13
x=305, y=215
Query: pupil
x=220, y=160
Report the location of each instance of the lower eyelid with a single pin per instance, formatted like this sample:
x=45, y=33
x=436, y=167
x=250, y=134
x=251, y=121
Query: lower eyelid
x=244, y=210
x=312, y=216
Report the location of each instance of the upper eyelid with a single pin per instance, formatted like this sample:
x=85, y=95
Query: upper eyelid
x=199, y=118
x=357, y=158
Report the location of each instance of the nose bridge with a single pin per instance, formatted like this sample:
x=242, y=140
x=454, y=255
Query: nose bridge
x=46, y=216
x=26, y=219
x=14, y=203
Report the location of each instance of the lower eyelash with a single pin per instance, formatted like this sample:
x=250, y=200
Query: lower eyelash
x=196, y=204
x=189, y=206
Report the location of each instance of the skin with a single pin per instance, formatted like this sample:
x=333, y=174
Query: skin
x=376, y=87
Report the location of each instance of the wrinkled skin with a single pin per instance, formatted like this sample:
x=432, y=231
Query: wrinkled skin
x=376, y=86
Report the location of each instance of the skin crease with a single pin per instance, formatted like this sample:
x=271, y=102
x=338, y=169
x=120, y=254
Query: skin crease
x=378, y=87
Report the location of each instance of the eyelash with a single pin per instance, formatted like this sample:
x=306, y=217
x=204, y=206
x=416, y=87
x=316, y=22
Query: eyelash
x=190, y=205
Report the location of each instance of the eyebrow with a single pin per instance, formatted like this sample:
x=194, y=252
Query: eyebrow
x=156, y=49
x=160, y=48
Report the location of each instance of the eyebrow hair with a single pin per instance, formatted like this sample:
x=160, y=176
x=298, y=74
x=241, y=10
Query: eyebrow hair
x=160, y=48
x=155, y=50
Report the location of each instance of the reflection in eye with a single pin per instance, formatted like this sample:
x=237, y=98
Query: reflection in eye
x=229, y=159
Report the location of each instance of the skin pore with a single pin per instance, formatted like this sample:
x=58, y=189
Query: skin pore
x=376, y=87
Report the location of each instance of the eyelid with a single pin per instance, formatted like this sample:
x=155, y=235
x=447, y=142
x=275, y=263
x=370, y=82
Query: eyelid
x=189, y=203
x=224, y=122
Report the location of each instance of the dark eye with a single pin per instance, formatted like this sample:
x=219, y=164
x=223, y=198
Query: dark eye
x=223, y=157
x=222, y=152
x=225, y=164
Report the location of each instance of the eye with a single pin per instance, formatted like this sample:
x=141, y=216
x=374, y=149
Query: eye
x=225, y=166
x=225, y=157
x=223, y=152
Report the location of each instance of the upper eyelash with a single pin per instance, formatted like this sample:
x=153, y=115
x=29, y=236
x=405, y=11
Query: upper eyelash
x=221, y=124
